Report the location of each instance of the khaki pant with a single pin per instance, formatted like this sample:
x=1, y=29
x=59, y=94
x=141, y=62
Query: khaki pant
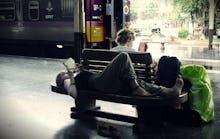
x=117, y=75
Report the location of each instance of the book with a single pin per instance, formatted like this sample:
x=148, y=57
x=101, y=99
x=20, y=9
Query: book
x=70, y=64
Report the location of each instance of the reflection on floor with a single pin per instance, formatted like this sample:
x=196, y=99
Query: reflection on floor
x=29, y=110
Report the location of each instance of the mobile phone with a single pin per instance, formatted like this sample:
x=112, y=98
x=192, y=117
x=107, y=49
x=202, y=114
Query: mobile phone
x=70, y=63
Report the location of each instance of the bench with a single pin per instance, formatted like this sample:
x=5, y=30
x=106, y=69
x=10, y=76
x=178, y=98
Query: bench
x=162, y=47
x=96, y=61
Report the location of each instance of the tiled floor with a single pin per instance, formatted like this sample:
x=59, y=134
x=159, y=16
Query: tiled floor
x=29, y=110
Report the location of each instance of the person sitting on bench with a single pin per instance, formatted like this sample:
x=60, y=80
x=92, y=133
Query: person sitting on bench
x=118, y=76
x=142, y=47
x=124, y=40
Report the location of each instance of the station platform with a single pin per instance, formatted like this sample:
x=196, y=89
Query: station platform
x=29, y=110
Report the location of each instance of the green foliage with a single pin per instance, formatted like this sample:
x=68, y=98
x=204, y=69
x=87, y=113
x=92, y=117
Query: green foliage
x=216, y=40
x=195, y=8
x=217, y=25
x=172, y=38
x=191, y=6
x=217, y=19
x=183, y=33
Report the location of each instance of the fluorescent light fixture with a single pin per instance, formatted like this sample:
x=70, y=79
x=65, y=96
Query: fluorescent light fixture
x=59, y=46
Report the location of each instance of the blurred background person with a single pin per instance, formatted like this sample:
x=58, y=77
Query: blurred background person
x=142, y=47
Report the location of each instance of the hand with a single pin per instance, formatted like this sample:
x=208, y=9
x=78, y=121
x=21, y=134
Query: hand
x=79, y=67
x=71, y=71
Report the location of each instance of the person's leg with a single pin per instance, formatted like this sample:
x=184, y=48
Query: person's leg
x=110, y=80
x=70, y=87
x=161, y=90
x=61, y=77
x=119, y=70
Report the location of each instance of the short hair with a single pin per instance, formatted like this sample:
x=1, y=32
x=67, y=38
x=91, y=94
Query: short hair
x=60, y=79
x=124, y=36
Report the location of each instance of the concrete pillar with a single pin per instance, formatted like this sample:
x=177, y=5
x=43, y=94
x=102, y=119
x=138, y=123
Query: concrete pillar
x=79, y=28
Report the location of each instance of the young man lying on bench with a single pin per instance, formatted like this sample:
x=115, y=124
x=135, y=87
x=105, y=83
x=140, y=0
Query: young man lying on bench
x=116, y=79
x=117, y=82
x=117, y=75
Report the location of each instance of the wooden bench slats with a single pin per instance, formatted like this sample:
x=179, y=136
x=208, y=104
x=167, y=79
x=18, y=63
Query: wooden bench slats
x=92, y=64
x=103, y=55
x=140, y=74
x=108, y=115
x=97, y=60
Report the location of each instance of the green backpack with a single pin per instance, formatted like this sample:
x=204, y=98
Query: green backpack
x=201, y=94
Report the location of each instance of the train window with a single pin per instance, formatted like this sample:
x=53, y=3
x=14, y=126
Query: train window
x=67, y=7
x=33, y=10
x=7, y=11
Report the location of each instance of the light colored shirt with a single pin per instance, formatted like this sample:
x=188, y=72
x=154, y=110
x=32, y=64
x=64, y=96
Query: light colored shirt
x=121, y=48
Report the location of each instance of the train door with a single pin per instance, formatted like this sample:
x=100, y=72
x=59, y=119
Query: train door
x=33, y=10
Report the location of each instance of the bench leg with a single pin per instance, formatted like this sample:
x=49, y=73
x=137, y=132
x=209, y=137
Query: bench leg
x=162, y=47
x=152, y=115
x=83, y=104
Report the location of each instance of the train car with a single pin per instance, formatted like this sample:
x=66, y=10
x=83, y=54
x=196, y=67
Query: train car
x=37, y=22
x=31, y=25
